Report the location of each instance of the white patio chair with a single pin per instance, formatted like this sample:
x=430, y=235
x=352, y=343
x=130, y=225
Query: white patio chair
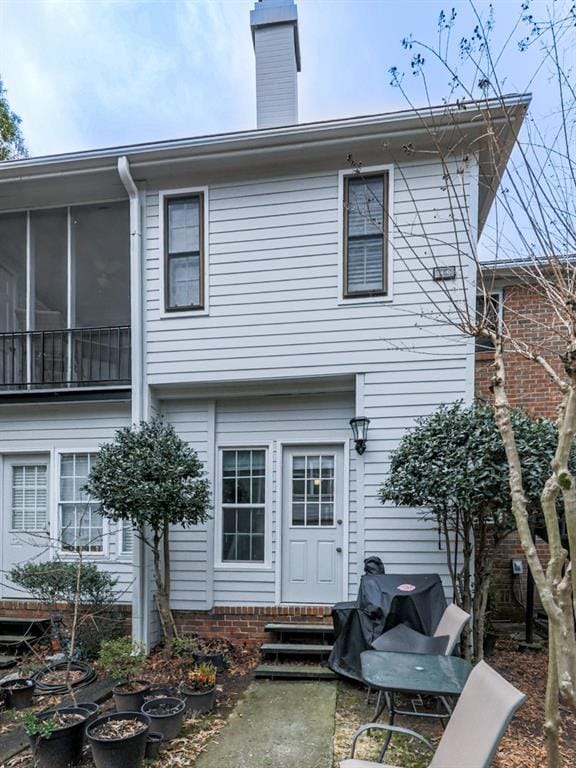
x=480, y=719
x=406, y=640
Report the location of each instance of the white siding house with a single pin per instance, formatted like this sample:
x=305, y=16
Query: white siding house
x=263, y=318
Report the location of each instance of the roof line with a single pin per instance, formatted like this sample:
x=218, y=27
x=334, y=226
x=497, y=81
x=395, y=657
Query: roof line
x=287, y=132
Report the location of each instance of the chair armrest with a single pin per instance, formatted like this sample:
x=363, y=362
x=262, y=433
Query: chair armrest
x=390, y=729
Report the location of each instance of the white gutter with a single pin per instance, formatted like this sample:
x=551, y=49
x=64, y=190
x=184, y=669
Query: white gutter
x=274, y=138
x=140, y=602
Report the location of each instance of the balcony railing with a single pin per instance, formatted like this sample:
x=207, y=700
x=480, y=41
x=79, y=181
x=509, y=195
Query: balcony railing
x=68, y=358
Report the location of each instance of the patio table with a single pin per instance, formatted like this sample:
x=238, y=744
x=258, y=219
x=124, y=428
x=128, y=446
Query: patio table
x=414, y=673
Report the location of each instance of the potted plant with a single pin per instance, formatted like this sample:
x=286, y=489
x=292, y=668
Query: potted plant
x=119, y=740
x=123, y=660
x=199, y=689
x=153, y=743
x=56, y=736
x=167, y=715
x=18, y=693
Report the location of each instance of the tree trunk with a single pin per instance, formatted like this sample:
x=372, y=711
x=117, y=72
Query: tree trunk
x=162, y=592
x=551, y=712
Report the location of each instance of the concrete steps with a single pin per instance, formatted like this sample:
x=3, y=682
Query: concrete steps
x=298, y=652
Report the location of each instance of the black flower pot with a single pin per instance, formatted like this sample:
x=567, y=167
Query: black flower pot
x=64, y=745
x=159, y=692
x=199, y=701
x=93, y=710
x=153, y=744
x=130, y=701
x=123, y=752
x=18, y=694
x=167, y=715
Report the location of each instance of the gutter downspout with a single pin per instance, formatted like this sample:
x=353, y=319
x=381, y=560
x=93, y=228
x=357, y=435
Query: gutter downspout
x=140, y=602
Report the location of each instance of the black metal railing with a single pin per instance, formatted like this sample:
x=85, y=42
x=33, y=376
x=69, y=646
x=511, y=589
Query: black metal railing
x=76, y=357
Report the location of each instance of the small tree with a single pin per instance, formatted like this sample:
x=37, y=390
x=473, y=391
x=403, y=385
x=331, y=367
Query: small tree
x=149, y=477
x=454, y=464
x=11, y=140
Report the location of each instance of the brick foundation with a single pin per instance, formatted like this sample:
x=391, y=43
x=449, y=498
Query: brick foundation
x=30, y=609
x=245, y=624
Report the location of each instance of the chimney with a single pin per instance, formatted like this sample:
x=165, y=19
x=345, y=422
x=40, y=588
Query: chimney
x=274, y=26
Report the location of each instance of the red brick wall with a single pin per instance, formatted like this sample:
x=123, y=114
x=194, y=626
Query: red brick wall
x=242, y=624
x=527, y=318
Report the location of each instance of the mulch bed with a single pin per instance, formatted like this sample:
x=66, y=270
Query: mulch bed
x=197, y=731
x=522, y=746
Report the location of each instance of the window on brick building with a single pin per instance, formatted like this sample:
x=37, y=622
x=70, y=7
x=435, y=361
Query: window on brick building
x=493, y=313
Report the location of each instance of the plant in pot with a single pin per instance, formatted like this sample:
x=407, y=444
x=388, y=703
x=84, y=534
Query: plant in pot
x=167, y=715
x=118, y=740
x=56, y=736
x=123, y=660
x=18, y=693
x=199, y=689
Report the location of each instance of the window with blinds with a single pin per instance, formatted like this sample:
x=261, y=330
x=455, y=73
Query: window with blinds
x=184, y=257
x=127, y=538
x=365, y=242
x=29, y=497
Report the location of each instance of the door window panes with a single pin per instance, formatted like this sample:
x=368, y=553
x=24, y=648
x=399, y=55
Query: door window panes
x=243, y=505
x=29, y=497
x=313, y=490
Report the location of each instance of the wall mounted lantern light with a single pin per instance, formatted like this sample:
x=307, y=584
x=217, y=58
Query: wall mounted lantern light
x=359, y=426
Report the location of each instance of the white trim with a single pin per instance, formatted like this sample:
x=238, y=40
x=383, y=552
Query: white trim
x=162, y=195
x=304, y=443
x=471, y=278
x=106, y=533
x=219, y=564
x=211, y=464
x=360, y=465
x=389, y=296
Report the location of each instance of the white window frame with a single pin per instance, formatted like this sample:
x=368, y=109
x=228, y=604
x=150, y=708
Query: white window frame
x=361, y=300
x=127, y=553
x=225, y=565
x=205, y=250
x=104, y=554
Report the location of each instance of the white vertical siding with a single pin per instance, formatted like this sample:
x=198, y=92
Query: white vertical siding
x=276, y=76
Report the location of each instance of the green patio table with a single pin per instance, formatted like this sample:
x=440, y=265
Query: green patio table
x=417, y=674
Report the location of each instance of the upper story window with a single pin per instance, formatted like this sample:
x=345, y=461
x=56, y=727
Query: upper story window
x=365, y=235
x=184, y=252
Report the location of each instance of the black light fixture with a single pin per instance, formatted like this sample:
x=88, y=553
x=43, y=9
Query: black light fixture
x=359, y=426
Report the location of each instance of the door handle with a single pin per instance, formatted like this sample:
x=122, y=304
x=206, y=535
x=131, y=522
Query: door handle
x=338, y=549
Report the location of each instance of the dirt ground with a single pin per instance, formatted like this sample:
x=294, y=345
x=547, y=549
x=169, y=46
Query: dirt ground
x=522, y=746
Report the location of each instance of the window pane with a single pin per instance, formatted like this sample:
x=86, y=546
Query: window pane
x=229, y=490
x=298, y=514
x=257, y=548
x=229, y=521
x=258, y=490
x=312, y=514
x=229, y=547
x=243, y=547
x=184, y=225
x=258, y=462
x=244, y=521
x=244, y=462
x=101, y=259
x=243, y=490
x=327, y=514
x=229, y=463
x=49, y=245
x=365, y=201
x=184, y=280
x=258, y=516
x=12, y=273
x=365, y=265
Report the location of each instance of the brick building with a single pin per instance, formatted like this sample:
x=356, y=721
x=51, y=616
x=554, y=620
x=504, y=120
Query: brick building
x=527, y=318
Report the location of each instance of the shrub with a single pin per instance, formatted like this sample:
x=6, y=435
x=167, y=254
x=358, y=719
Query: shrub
x=121, y=658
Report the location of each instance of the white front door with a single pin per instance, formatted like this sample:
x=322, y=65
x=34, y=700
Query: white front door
x=25, y=519
x=312, y=528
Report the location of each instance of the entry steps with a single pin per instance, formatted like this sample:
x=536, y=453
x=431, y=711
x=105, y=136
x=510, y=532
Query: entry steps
x=18, y=635
x=297, y=652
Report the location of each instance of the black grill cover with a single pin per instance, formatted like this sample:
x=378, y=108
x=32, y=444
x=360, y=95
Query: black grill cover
x=384, y=601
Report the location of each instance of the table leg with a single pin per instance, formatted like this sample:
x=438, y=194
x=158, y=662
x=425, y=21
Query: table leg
x=389, y=695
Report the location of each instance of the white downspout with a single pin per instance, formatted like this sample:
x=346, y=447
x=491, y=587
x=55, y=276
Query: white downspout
x=140, y=602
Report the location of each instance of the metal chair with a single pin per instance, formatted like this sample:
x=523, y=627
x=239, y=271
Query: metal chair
x=480, y=719
x=406, y=640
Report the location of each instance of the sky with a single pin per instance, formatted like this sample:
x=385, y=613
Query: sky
x=84, y=74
